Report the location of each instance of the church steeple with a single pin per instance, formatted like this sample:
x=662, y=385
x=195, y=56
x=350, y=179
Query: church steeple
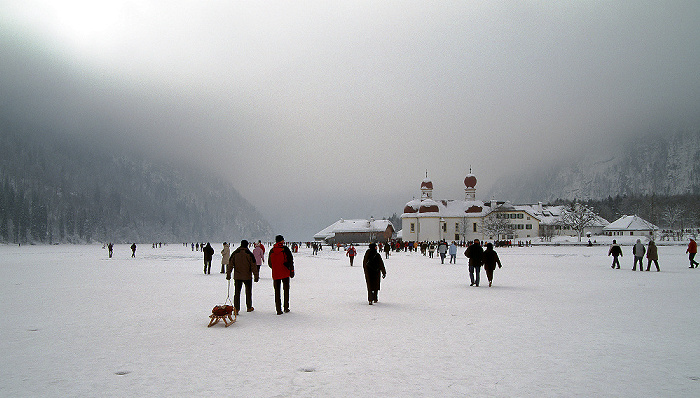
x=470, y=184
x=426, y=188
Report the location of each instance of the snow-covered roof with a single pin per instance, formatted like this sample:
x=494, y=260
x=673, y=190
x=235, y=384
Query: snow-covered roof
x=360, y=225
x=630, y=223
x=448, y=208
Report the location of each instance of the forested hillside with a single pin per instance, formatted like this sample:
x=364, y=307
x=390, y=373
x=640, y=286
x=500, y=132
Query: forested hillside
x=66, y=190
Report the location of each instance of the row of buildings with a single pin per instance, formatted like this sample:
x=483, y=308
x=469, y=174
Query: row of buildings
x=429, y=219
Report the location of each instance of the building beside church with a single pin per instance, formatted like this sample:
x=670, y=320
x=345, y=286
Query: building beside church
x=430, y=219
x=630, y=226
x=356, y=231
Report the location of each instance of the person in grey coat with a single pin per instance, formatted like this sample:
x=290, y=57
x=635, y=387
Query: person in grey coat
x=638, y=250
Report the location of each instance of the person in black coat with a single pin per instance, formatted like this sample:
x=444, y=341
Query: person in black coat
x=208, y=255
x=490, y=260
x=373, y=266
x=475, y=254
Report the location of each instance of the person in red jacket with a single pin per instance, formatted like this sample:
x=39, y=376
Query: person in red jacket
x=692, y=251
x=282, y=263
x=351, y=252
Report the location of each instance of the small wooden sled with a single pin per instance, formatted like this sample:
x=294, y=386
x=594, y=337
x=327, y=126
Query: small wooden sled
x=223, y=312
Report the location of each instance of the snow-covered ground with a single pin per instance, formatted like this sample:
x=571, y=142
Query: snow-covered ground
x=558, y=322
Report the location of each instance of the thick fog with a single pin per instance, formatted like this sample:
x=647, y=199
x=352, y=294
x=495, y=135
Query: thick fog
x=323, y=110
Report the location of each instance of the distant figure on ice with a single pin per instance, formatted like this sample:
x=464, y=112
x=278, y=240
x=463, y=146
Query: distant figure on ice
x=242, y=263
x=475, y=254
x=208, y=256
x=133, y=250
x=387, y=249
x=442, y=249
x=259, y=254
x=638, y=250
x=692, y=251
x=652, y=255
x=225, y=256
x=615, y=251
x=373, y=266
x=431, y=249
x=490, y=260
x=351, y=252
x=282, y=263
x=110, y=246
x=453, y=253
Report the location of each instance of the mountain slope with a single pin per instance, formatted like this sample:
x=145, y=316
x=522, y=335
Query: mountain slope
x=60, y=189
x=662, y=164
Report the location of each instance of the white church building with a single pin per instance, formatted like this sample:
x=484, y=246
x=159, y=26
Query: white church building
x=429, y=219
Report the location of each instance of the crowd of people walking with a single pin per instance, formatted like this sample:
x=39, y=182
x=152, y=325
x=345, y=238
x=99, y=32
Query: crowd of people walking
x=243, y=265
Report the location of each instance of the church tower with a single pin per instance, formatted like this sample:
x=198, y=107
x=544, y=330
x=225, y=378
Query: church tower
x=470, y=184
x=426, y=188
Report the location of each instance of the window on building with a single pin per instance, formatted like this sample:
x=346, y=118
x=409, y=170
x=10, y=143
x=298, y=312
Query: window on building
x=528, y=226
x=456, y=236
x=413, y=227
x=474, y=227
x=444, y=227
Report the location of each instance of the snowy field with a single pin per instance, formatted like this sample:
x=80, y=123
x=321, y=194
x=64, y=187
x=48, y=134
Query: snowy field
x=557, y=322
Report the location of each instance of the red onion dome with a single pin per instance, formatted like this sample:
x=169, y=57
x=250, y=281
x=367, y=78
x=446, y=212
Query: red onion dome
x=428, y=206
x=412, y=206
x=426, y=184
x=470, y=181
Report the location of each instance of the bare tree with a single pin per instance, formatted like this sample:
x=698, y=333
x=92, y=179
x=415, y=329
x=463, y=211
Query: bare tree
x=672, y=216
x=578, y=217
x=493, y=225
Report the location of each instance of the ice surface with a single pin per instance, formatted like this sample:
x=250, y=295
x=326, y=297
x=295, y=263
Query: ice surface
x=558, y=322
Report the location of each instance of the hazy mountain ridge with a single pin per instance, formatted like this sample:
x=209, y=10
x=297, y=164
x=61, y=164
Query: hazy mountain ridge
x=661, y=164
x=64, y=190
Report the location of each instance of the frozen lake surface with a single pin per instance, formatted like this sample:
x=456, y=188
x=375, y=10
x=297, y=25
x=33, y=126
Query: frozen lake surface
x=557, y=322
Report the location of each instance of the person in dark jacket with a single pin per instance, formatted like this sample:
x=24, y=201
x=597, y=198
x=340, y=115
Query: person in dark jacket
x=616, y=252
x=490, y=258
x=242, y=263
x=475, y=254
x=652, y=255
x=208, y=256
x=282, y=263
x=373, y=266
x=133, y=250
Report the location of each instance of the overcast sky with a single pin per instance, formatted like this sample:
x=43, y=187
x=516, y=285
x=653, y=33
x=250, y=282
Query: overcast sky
x=320, y=110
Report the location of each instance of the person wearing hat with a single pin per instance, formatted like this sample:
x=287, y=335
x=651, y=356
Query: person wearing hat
x=282, y=263
x=373, y=266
